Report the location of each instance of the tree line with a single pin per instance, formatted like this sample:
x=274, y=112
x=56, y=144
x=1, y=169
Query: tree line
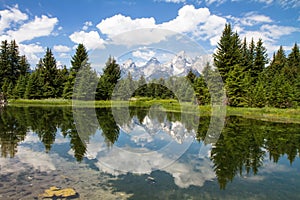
x=250, y=78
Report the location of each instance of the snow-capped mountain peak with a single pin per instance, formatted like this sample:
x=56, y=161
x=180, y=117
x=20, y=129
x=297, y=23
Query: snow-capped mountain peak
x=179, y=65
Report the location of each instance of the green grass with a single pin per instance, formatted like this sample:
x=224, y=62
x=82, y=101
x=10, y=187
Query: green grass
x=291, y=115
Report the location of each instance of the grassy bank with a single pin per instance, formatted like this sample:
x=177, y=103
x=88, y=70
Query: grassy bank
x=269, y=114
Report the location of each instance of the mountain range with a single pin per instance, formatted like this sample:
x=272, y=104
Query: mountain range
x=179, y=65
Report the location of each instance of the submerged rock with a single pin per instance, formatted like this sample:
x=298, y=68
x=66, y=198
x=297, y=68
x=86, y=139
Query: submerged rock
x=58, y=192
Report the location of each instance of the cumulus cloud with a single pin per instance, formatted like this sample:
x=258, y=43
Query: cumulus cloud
x=31, y=51
x=197, y=21
x=11, y=15
x=61, y=48
x=187, y=20
x=146, y=55
x=40, y=26
x=119, y=24
x=91, y=40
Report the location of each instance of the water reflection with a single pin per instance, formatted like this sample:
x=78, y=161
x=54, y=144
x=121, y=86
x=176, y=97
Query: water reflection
x=240, y=150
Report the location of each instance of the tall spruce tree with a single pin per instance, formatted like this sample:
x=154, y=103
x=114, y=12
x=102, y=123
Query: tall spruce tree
x=49, y=73
x=228, y=52
x=260, y=59
x=108, y=80
x=292, y=68
x=78, y=61
x=4, y=59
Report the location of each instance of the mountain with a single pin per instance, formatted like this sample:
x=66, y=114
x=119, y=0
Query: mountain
x=179, y=65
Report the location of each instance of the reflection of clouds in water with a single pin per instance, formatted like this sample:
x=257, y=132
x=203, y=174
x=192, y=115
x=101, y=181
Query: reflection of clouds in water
x=185, y=174
x=32, y=137
x=27, y=157
x=140, y=137
x=271, y=167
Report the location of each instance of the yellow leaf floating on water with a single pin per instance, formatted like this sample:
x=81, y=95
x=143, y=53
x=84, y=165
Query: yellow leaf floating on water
x=57, y=192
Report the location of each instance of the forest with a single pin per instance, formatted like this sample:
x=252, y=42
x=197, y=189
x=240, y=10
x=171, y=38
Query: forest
x=250, y=78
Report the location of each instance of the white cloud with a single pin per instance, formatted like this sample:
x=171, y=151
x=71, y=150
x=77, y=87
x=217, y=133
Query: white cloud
x=146, y=55
x=91, y=40
x=275, y=31
x=198, y=22
x=187, y=20
x=31, y=51
x=119, y=24
x=251, y=19
x=61, y=48
x=87, y=24
x=218, y=2
x=40, y=26
x=265, y=1
x=211, y=30
x=9, y=16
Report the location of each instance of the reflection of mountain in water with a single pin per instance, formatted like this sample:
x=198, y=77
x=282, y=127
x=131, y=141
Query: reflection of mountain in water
x=175, y=129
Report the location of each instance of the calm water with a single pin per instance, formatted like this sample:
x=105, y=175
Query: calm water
x=41, y=147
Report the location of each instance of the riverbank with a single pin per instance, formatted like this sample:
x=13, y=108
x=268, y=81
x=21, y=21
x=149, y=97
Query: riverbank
x=290, y=115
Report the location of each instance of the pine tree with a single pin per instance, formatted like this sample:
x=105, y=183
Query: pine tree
x=13, y=62
x=24, y=66
x=48, y=70
x=236, y=87
x=34, y=87
x=228, y=52
x=141, y=87
x=278, y=62
x=20, y=88
x=292, y=68
x=79, y=60
x=108, y=80
x=81, y=56
x=191, y=76
x=85, y=83
x=260, y=59
x=4, y=60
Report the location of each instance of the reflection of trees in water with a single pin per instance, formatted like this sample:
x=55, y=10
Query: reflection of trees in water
x=109, y=127
x=241, y=147
x=244, y=143
x=12, y=131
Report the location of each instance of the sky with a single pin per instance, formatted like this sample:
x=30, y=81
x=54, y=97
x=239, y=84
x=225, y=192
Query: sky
x=113, y=27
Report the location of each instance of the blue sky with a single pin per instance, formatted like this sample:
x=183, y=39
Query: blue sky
x=62, y=24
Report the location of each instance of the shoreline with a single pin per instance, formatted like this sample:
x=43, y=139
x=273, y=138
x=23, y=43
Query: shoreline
x=287, y=115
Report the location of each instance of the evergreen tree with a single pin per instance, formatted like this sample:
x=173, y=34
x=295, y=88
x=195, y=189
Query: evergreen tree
x=142, y=87
x=85, y=84
x=4, y=60
x=34, y=87
x=48, y=70
x=278, y=62
x=292, y=68
x=228, y=52
x=236, y=87
x=20, y=88
x=81, y=56
x=24, y=66
x=191, y=76
x=13, y=62
x=260, y=59
x=78, y=61
x=108, y=80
